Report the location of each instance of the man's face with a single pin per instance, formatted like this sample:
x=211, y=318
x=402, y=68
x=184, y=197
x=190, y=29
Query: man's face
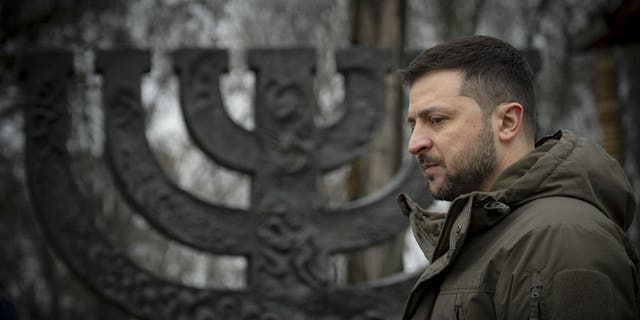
x=450, y=138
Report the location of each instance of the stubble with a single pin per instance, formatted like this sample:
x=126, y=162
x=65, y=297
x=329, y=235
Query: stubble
x=474, y=167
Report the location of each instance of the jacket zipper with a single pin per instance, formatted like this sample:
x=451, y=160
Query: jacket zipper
x=458, y=306
x=535, y=311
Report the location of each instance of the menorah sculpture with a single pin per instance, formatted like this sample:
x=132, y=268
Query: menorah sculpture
x=286, y=235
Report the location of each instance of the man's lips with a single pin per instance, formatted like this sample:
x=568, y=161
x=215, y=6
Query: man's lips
x=428, y=164
x=427, y=167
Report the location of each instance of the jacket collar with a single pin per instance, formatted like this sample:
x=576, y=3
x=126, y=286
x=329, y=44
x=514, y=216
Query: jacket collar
x=468, y=214
x=484, y=208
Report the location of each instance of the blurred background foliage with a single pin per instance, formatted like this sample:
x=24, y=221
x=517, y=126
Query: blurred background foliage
x=588, y=83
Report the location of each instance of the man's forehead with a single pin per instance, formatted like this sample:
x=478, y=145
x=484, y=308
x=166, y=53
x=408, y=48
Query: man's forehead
x=439, y=79
x=435, y=85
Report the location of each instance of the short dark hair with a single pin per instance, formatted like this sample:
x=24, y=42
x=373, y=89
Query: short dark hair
x=494, y=72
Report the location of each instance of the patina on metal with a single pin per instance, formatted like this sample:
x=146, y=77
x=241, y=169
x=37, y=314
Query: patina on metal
x=287, y=234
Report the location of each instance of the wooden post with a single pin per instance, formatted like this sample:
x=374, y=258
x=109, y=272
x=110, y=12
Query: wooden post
x=606, y=103
x=381, y=24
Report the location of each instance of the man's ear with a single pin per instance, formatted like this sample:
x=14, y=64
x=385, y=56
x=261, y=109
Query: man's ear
x=509, y=120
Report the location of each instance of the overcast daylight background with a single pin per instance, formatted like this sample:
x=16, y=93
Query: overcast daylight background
x=588, y=82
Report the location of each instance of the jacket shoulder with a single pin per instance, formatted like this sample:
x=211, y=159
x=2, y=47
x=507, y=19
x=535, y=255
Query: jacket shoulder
x=562, y=249
x=560, y=212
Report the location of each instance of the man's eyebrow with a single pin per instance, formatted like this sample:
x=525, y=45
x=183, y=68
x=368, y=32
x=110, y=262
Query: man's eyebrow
x=425, y=113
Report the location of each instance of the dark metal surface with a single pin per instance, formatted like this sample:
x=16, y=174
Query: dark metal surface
x=287, y=235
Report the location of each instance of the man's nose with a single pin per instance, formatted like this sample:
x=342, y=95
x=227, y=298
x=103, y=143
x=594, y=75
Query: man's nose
x=419, y=142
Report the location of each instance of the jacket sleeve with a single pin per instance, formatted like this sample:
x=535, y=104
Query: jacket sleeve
x=568, y=271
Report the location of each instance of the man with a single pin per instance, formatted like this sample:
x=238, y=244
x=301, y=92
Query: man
x=534, y=230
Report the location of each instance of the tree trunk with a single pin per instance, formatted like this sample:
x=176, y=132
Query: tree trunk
x=380, y=24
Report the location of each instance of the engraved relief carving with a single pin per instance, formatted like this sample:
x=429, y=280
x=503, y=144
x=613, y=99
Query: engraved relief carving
x=286, y=234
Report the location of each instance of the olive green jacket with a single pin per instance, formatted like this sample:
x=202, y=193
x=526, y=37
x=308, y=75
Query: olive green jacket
x=547, y=242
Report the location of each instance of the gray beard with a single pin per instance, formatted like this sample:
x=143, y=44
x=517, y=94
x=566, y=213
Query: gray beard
x=474, y=166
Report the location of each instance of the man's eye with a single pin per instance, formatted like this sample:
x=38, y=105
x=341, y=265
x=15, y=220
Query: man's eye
x=437, y=120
